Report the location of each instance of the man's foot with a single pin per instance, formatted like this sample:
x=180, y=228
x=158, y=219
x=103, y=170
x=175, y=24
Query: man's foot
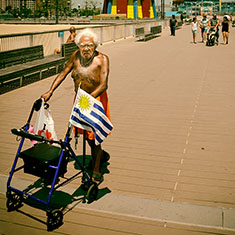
x=98, y=178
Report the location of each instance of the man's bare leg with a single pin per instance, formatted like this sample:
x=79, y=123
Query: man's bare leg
x=96, y=152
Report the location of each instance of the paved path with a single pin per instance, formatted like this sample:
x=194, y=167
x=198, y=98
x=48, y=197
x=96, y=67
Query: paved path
x=172, y=105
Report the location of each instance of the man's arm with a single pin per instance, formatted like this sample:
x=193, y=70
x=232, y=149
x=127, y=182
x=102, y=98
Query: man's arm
x=209, y=23
x=104, y=73
x=60, y=78
x=218, y=23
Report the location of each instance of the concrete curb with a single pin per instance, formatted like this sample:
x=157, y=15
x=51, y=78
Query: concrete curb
x=164, y=211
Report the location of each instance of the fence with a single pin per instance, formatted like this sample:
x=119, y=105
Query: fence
x=51, y=40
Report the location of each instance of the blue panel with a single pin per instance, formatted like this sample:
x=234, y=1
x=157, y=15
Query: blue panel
x=154, y=9
x=135, y=4
x=109, y=7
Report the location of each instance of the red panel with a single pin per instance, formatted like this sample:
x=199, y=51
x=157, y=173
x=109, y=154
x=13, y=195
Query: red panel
x=146, y=8
x=122, y=6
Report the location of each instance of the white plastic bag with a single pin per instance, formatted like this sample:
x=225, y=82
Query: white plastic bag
x=44, y=124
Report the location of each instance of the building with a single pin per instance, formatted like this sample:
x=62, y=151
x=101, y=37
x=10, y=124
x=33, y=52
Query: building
x=228, y=6
x=133, y=9
x=18, y=4
x=198, y=7
x=33, y=4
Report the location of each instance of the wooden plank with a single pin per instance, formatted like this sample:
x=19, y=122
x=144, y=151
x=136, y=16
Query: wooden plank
x=20, y=56
x=156, y=29
x=68, y=49
x=10, y=73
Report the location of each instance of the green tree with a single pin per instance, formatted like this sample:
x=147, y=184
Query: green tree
x=90, y=9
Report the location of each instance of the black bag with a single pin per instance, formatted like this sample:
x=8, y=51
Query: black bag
x=41, y=160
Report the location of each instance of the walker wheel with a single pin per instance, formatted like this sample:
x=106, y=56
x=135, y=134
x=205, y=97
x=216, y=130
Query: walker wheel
x=54, y=219
x=14, y=201
x=92, y=193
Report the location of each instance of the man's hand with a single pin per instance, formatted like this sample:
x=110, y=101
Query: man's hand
x=46, y=96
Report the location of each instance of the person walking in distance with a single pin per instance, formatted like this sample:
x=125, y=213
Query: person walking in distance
x=194, y=27
x=225, y=29
x=203, y=25
x=214, y=25
x=173, y=24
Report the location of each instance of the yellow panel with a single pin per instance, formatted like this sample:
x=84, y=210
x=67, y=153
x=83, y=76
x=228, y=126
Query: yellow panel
x=114, y=7
x=151, y=10
x=140, y=12
x=130, y=10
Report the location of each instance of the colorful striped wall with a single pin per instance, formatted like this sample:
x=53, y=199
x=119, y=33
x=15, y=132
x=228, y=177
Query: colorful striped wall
x=114, y=7
x=140, y=12
x=130, y=9
x=134, y=9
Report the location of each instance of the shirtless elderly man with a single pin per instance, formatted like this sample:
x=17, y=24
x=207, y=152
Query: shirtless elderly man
x=90, y=69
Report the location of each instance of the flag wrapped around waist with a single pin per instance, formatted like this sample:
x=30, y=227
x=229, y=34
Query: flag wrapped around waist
x=88, y=114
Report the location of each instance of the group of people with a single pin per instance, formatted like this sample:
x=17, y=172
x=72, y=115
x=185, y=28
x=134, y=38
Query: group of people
x=213, y=24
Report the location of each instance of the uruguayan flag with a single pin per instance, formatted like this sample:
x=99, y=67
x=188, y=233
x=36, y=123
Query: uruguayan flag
x=88, y=114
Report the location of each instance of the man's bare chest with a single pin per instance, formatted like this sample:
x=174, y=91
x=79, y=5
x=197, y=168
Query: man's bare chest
x=81, y=71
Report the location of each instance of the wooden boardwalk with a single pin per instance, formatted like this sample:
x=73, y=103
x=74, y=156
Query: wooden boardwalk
x=173, y=110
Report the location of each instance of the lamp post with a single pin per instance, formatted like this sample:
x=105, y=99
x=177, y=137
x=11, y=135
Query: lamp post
x=56, y=12
x=163, y=9
x=79, y=9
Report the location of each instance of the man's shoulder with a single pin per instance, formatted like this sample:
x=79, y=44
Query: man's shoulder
x=101, y=58
x=101, y=55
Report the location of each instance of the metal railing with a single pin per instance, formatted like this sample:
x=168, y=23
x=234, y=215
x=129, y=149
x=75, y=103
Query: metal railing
x=52, y=40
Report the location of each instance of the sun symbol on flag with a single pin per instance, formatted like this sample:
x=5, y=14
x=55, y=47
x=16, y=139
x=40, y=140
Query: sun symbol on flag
x=84, y=103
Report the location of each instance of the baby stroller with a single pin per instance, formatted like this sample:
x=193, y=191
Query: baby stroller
x=49, y=162
x=211, y=38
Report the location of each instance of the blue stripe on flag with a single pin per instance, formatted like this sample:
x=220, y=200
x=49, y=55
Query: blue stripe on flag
x=85, y=124
x=92, y=123
x=99, y=108
x=101, y=120
x=80, y=122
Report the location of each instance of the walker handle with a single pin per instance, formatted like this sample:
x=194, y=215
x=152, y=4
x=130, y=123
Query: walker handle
x=27, y=135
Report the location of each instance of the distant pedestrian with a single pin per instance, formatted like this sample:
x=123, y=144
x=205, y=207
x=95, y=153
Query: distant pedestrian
x=182, y=18
x=214, y=25
x=225, y=29
x=203, y=25
x=173, y=24
x=194, y=26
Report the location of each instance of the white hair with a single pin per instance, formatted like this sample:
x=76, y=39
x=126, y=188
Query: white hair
x=86, y=32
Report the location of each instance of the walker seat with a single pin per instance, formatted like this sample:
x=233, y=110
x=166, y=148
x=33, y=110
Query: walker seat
x=42, y=159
